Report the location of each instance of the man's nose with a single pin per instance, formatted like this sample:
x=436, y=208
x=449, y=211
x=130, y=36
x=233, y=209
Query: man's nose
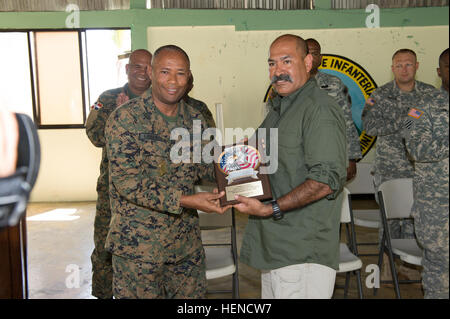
x=278, y=69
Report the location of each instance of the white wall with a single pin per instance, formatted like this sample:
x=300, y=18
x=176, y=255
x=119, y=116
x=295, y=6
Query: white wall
x=69, y=167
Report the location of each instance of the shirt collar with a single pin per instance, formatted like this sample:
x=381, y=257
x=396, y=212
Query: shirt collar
x=397, y=89
x=281, y=104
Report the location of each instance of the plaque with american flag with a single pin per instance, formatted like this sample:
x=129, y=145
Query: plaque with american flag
x=237, y=173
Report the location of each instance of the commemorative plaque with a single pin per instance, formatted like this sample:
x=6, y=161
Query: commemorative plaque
x=238, y=172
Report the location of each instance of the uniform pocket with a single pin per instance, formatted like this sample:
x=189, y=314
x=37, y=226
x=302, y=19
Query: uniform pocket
x=155, y=158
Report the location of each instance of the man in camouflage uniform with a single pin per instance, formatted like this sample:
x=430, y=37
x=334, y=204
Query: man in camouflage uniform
x=154, y=234
x=426, y=138
x=199, y=105
x=108, y=101
x=337, y=89
x=382, y=116
x=442, y=70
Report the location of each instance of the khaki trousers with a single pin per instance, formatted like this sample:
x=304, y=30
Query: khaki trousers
x=302, y=281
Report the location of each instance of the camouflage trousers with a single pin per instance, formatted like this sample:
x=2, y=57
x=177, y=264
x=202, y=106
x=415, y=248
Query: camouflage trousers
x=432, y=231
x=102, y=273
x=185, y=279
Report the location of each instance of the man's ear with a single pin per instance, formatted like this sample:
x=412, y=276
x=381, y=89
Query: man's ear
x=308, y=62
x=127, y=67
x=149, y=71
x=417, y=66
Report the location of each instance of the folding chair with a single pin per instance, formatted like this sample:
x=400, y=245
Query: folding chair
x=396, y=200
x=348, y=253
x=369, y=218
x=221, y=256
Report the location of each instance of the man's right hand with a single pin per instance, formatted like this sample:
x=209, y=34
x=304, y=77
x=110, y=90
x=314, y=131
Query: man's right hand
x=121, y=98
x=205, y=201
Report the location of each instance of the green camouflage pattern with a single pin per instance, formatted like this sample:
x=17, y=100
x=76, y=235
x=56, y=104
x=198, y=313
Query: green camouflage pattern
x=147, y=224
x=101, y=259
x=138, y=280
x=203, y=108
x=427, y=141
x=337, y=90
x=384, y=119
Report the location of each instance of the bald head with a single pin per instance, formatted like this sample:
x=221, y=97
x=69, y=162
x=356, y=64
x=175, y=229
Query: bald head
x=299, y=43
x=171, y=48
x=141, y=53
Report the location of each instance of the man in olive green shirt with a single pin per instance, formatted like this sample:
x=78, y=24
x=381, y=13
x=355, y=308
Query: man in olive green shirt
x=294, y=239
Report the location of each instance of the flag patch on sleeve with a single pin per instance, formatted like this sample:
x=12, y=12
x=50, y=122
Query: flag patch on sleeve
x=97, y=106
x=415, y=113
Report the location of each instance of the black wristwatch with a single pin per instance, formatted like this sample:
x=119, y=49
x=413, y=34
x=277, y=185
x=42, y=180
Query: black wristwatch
x=277, y=213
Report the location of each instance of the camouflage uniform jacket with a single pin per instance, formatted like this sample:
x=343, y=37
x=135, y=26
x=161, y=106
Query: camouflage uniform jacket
x=426, y=138
x=203, y=108
x=95, y=130
x=148, y=224
x=384, y=119
x=337, y=89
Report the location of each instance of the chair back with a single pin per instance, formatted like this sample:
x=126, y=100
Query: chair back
x=345, y=207
x=397, y=197
x=213, y=220
x=363, y=181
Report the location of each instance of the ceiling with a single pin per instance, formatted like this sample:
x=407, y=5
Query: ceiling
x=95, y=5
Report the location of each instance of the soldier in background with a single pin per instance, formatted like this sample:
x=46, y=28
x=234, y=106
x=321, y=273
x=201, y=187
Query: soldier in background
x=154, y=234
x=337, y=89
x=198, y=105
x=382, y=116
x=426, y=138
x=108, y=101
x=443, y=70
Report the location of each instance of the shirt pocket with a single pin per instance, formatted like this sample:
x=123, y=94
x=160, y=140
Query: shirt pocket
x=155, y=157
x=289, y=140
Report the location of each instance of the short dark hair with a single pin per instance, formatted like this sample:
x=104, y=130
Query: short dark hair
x=442, y=56
x=405, y=51
x=170, y=47
x=312, y=40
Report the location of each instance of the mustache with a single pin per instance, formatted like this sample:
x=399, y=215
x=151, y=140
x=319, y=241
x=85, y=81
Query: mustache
x=281, y=77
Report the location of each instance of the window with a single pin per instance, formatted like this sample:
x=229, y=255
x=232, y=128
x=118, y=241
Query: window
x=54, y=76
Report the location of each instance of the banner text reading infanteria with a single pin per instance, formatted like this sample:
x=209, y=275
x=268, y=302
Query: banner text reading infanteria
x=357, y=74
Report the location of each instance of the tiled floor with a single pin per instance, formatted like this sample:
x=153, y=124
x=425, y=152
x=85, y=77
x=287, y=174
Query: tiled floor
x=60, y=243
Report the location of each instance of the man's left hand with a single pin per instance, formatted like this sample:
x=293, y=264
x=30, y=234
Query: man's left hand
x=252, y=206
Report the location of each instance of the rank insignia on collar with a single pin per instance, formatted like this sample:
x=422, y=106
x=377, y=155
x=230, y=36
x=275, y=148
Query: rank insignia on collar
x=415, y=113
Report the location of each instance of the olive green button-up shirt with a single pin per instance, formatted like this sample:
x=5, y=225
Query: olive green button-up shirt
x=311, y=145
